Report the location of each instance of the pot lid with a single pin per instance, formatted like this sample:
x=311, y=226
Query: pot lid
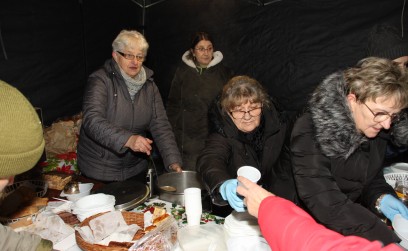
x=128, y=194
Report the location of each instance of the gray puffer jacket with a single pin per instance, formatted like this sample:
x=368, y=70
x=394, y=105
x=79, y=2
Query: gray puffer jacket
x=110, y=117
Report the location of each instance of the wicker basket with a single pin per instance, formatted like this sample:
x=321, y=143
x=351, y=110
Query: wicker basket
x=130, y=218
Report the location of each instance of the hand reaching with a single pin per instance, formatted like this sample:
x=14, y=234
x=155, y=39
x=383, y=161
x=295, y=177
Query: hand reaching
x=253, y=193
x=139, y=144
x=228, y=192
x=176, y=168
x=391, y=206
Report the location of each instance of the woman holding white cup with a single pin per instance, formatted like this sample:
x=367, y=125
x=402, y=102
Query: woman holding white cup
x=246, y=130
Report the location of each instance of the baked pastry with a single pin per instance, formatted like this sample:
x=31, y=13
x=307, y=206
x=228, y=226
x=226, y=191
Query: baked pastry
x=69, y=218
x=30, y=207
x=24, y=211
x=17, y=200
x=57, y=180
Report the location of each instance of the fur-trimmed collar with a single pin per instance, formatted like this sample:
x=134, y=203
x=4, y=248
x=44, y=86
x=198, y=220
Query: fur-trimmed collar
x=336, y=132
x=217, y=58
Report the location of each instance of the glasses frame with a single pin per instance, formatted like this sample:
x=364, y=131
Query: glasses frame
x=394, y=117
x=245, y=112
x=202, y=50
x=131, y=56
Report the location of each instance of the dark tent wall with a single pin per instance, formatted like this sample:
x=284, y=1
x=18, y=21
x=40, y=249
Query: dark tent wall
x=48, y=48
x=289, y=46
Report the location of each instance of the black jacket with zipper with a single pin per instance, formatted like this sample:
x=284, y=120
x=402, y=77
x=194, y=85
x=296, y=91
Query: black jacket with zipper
x=226, y=150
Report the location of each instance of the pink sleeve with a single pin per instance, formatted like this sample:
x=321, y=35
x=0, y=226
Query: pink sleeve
x=287, y=227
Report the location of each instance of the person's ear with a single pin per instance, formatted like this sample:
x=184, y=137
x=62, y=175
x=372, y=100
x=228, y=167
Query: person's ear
x=115, y=56
x=192, y=53
x=351, y=97
x=351, y=100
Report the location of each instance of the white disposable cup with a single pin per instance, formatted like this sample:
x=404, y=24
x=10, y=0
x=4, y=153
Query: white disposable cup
x=193, y=205
x=193, y=219
x=250, y=173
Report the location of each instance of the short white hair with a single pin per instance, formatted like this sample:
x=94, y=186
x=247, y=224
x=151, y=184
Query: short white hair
x=130, y=39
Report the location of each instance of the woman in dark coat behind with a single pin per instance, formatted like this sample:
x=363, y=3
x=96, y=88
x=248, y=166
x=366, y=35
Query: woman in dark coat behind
x=196, y=83
x=246, y=130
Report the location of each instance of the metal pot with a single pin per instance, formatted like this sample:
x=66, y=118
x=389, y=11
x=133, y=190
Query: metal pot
x=171, y=185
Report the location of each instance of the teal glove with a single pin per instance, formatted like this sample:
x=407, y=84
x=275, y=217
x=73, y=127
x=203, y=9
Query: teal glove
x=391, y=206
x=228, y=191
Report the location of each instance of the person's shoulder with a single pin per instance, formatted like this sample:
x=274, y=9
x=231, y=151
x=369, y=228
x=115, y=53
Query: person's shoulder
x=303, y=123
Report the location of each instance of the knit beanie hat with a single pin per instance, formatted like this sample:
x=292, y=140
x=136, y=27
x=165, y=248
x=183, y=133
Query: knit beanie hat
x=21, y=136
x=386, y=41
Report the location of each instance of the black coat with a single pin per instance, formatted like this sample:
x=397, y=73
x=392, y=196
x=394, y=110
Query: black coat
x=337, y=170
x=191, y=93
x=226, y=150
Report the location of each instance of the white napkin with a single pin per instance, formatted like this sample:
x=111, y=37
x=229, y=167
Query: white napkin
x=50, y=227
x=108, y=227
x=59, y=206
x=126, y=235
x=248, y=243
x=107, y=224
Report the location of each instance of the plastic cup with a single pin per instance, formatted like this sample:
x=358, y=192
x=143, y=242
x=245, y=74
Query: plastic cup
x=193, y=205
x=250, y=173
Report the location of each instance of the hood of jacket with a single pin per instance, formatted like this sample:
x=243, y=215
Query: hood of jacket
x=335, y=129
x=217, y=58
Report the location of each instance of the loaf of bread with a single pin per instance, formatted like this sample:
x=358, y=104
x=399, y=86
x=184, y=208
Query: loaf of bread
x=21, y=223
x=24, y=211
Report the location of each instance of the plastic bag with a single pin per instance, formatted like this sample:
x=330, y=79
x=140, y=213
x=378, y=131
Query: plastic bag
x=162, y=238
x=207, y=237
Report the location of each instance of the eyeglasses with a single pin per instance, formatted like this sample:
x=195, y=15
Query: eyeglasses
x=383, y=116
x=202, y=49
x=241, y=114
x=131, y=57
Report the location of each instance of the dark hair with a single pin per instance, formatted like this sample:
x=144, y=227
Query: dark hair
x=196, y=38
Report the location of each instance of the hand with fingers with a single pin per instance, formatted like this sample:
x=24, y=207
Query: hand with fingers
x=175, y=167
x=139, y=144
x=253, y=193
x=391, y=206
x=228, y=191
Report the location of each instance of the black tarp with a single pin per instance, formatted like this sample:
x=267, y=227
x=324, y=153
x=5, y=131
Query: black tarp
x=48, y=48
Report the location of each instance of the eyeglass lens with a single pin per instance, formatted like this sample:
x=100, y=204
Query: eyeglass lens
x=382, y=116
x=132, y=57
x=241, y=114
x=202, y=49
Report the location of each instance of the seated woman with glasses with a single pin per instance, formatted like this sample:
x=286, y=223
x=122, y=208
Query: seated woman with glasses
x=122, y=106
x=338, y=149
x=246, y=130
x=197, y=81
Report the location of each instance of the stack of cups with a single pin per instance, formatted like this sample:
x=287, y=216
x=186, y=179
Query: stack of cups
x=192, y=202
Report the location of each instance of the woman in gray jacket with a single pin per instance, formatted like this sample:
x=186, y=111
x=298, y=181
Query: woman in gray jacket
x=121, y=106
